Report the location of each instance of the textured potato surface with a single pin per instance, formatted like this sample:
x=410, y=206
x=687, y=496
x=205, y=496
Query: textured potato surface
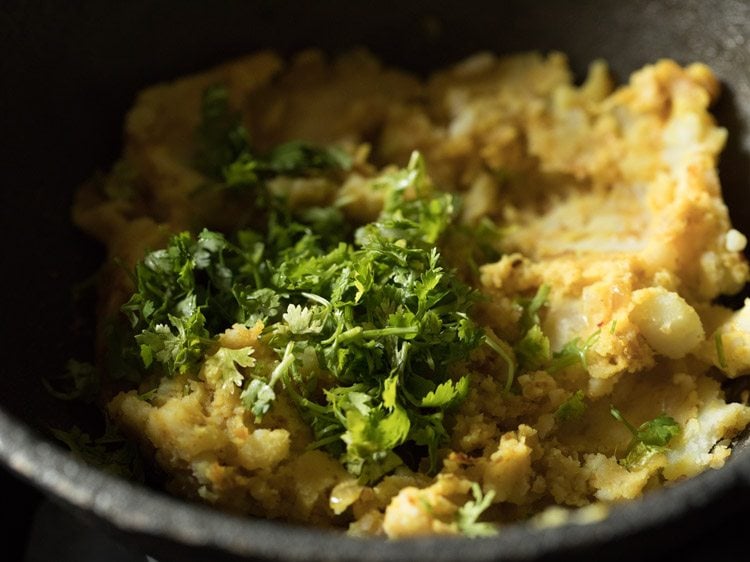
x=609, y=196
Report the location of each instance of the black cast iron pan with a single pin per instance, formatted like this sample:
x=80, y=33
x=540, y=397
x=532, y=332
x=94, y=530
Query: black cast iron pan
x=69, y=71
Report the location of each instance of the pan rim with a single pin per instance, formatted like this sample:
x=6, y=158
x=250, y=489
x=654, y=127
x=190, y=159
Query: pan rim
x=137, y=509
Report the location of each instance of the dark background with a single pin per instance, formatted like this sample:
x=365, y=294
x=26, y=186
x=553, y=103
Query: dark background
x=18, y=508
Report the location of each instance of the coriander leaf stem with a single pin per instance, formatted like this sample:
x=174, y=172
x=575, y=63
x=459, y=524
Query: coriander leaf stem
x=509, y=361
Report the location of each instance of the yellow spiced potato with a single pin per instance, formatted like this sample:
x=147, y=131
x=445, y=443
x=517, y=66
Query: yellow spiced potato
x=340, y=295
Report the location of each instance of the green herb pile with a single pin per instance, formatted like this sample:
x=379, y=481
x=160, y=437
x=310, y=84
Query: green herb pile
x=371, y=331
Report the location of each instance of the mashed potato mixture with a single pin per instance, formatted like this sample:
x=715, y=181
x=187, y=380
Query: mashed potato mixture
x=550, y=338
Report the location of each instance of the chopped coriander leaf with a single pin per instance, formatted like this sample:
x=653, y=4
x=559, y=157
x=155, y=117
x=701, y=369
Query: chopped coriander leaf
x=506, y=353
x=224, y=153
x=220, y=137
x=178, y=346
x=572, y=353
x=469, y=246
x=297, y=158
x=650, y=437
x=533, y=350
x=257, y=397
x=226, y=365
x=111, y=452
x=467, y=516
x=531, y=308
x=573, y=408
x=259, y=394
x=446, y=394
x=659, y=431
x=149, y=395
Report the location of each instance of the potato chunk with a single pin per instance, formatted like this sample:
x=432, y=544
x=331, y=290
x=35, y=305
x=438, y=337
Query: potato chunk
x=670, y=325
